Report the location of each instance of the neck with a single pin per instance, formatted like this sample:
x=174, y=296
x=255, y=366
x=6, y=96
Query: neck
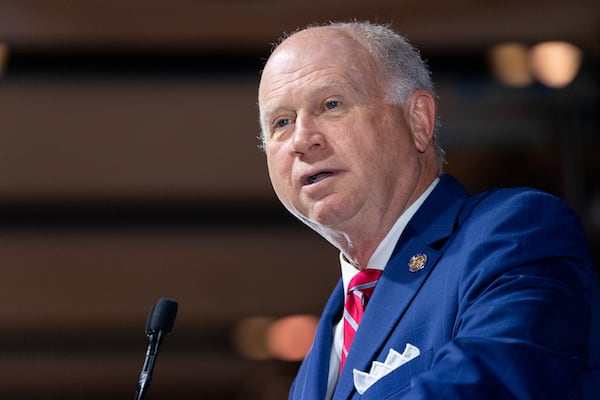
x=358, y=252
x=358, y=243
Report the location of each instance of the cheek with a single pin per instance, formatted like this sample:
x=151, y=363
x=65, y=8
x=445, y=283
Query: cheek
x=279, y=168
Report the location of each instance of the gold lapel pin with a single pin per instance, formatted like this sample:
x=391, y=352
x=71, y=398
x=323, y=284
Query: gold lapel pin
x=417, y=262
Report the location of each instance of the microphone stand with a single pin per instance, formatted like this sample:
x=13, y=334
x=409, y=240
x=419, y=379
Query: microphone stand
x=155, y=338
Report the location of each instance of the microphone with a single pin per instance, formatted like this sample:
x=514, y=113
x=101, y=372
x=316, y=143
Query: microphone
x=160, y=322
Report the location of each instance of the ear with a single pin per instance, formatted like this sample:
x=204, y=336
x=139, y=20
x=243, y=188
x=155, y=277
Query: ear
x=420, y=114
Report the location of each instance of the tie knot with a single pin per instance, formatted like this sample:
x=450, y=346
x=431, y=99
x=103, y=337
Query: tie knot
x=364, y=280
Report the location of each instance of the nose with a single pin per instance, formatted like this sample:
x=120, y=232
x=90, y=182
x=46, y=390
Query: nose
x=307, y=136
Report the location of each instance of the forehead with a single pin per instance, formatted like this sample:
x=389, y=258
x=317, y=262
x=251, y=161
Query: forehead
x=327, y=55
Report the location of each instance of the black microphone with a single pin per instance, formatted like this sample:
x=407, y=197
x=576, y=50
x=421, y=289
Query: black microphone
x=160, y=322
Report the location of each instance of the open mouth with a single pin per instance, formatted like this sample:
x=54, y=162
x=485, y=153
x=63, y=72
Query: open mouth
x=318, y=177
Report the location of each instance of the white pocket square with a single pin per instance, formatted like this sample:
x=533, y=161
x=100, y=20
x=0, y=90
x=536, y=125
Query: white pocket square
x=364, y=380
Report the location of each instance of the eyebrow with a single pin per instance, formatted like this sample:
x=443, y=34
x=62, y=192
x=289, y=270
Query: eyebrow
x=267, y=113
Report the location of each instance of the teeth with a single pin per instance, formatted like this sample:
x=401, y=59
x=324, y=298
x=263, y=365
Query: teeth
x=317, y=177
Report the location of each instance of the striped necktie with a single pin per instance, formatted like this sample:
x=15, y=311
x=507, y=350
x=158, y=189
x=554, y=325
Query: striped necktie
x=359, y=291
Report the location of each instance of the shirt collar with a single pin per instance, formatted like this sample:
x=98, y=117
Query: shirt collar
x=384, y=250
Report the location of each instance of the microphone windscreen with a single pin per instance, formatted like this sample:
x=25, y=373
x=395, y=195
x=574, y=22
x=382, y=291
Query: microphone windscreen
x=162, y=316
x=149, y=319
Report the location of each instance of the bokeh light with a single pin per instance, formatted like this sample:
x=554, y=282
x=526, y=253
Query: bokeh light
x=290, y=338
x=510, y=64
x=555, y=64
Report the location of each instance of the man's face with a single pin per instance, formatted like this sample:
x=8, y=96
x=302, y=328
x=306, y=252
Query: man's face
x=339, y=156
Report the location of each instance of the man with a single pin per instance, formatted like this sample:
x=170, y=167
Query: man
x=488, y=294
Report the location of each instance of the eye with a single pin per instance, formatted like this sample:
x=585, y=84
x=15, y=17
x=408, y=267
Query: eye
x=280, y=123
x=332, y=104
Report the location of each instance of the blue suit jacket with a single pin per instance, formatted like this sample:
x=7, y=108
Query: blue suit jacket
x=500, y=311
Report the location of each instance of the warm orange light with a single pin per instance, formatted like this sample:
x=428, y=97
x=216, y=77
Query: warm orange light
x=290, y=338
x=249, y=337
x=510, y=64
x=555, y=64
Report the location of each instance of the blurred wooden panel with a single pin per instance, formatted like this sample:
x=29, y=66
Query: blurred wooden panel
x=86, y=278
x=128, y=138
x=114, y=375
x=243, y=24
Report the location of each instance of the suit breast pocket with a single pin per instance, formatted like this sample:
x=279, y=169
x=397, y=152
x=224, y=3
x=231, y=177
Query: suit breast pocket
x=398, y=381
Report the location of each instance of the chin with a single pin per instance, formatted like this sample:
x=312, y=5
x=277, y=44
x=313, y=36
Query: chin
x=325, y=220
x=320, y=216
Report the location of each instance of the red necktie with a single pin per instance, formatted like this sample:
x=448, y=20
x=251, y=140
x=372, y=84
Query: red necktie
x=359, y=291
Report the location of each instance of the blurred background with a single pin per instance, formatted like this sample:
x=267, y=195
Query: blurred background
x=129, y=171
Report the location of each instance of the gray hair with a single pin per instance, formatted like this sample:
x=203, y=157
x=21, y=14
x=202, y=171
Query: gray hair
x=408, y=71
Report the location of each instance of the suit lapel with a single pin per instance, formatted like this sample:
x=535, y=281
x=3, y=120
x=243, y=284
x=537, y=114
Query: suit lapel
x=397, y=286
x=395, y=291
